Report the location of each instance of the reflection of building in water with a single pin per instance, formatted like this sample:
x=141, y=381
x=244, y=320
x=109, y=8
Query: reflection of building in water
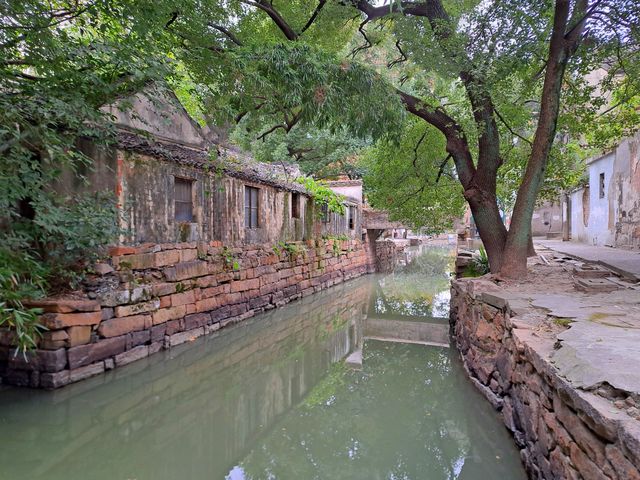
x=194, y=415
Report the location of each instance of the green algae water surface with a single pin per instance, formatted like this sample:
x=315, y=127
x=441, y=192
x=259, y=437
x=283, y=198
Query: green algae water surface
x=356, y=382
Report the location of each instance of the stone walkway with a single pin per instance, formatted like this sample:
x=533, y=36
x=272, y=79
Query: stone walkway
x=602, y=345
x=624, y=262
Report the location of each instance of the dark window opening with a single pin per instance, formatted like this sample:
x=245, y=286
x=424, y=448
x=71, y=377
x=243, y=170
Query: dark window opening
x=295, y=205
x=602, y=185
x=184, y=200
x=326, y=216
x=251, y=207
x=352, y=218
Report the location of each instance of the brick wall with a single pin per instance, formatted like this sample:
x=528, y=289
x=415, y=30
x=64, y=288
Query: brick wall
x=157, y=296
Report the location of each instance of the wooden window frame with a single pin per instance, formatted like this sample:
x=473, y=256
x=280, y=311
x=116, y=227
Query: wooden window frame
x=352, y=217
x=251, y=207
x=295, y=205
x=325, y=213
x=181, y=205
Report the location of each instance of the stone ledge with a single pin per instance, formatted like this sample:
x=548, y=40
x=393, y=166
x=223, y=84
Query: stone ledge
x=563, y=432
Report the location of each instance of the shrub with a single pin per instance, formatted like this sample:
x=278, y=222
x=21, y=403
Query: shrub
x=479, y=264
x=21, y=278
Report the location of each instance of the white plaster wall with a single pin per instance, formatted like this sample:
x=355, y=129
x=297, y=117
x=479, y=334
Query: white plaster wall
x=349, y=191
x=578, y=228
x=599, y=231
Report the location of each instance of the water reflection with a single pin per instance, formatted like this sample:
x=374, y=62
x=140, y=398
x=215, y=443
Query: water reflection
x=271, y=398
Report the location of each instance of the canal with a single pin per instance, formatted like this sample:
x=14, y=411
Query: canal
x=356, y=382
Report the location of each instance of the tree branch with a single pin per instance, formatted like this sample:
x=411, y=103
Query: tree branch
x=457, y=144
x=515, y=134
x=402, y=58
x=226, y=32
x=280, y=22
x=367, y=43
x=442, y=165
x=314, y=15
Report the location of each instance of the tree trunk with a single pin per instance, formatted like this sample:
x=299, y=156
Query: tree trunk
x=561, y=47
x=493, y=233
x=531, y=250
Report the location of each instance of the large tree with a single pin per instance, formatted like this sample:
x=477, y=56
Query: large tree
x=516, y=62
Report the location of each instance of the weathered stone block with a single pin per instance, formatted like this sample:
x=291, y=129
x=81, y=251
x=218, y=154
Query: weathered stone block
x=584, y=465
x=53, y=340
x=55, y=379
x=242, y=285
x=207, y=281
x=183, y=337
x=78, y=335
x=207, y=304
x=40, y=360
x=116, y=251
x=183, y=298
x=107, y=313
x=138, y=261
x=167, y=257
x=132, y=355
x=93, y=352
x=621, y=465
x=188, y=254
x=185, y=270
x=112, y=298
x=155, y=347
x=121, y=325
x=259, y=302
x=139, y=338
x=174, y=326
x=196, y=320
x=170, y=313
x=135, y=309
x=161, y=289
x=64, y=305
x=579, y=431
x=158, y=332
x=81, y=373
x=58, y=321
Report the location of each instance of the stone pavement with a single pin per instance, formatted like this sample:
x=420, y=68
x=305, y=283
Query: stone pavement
x=624, y=262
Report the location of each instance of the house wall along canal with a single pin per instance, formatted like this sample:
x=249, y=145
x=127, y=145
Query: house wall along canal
x=272, y=397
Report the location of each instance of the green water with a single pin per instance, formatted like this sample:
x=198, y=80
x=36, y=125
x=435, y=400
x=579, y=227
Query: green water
x=285, y=395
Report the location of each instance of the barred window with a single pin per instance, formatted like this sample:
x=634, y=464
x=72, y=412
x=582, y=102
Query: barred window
x=324, y=212
x=251, y=207
x=295, y=205
x=183, y=191
x=352, y=218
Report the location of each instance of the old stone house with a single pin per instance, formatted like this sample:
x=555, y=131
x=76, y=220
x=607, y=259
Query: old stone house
x=607, y=210
x=174, y=184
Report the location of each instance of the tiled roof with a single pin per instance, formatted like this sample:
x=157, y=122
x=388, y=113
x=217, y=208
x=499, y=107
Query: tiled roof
x=233, y=163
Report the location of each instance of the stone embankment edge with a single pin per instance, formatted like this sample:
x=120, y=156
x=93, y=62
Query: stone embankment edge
x=158, y=296
x=562, y=432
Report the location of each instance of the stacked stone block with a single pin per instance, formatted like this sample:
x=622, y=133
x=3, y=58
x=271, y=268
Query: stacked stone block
x=562, y=432
x=157, y=296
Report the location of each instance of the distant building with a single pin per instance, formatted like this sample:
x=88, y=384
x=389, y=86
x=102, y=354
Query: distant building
x=607, y=210
x=547, y=220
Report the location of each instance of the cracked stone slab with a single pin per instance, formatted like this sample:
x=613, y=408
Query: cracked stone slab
x=593, y=353
x=565, y=306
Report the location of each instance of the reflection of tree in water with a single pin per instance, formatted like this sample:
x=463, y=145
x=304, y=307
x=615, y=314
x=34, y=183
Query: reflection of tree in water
x=412, y=289
x=402, y=417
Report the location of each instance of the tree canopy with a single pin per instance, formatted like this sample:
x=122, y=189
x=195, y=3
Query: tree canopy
x=494, y=95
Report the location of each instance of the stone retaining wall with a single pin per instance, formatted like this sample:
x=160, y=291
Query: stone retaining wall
x=155, y=297
x=386, y=254
x=563, y=432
